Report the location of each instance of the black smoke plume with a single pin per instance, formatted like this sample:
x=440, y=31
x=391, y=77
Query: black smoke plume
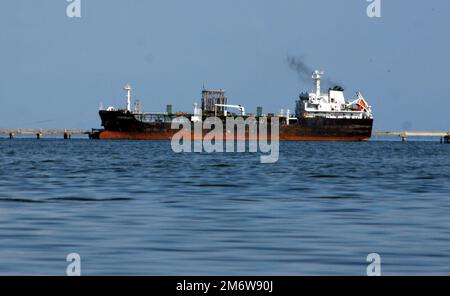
x=301, y=68
x=304, y=72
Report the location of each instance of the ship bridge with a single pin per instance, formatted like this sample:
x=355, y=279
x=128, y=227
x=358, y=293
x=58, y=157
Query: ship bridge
x=332, y=104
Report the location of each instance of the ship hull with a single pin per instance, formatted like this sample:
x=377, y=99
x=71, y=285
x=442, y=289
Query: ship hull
x=120, y=126
x=328, y=129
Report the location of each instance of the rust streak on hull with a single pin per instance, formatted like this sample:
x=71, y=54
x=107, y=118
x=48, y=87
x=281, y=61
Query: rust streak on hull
x=115, y=135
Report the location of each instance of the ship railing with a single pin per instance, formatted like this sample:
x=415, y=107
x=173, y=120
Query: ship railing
x=340, y=114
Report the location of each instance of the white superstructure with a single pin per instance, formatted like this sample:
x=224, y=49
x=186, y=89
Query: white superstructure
x=332, y=104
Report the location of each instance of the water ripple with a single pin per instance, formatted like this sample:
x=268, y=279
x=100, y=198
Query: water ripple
x=133, y=207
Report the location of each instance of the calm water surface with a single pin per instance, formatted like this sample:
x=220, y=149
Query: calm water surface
x=138, y=208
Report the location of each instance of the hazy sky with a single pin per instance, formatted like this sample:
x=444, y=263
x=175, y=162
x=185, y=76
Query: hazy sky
x=55, y=71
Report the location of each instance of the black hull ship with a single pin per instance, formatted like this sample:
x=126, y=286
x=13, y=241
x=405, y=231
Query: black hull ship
x=318, y=117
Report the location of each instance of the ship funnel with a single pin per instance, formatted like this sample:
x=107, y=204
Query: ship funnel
x=316, y=76
x=127, y=88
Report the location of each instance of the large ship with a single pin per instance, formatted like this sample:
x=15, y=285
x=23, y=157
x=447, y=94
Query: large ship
x=318, y=117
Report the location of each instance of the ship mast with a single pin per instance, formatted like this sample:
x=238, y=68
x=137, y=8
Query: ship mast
x=316, y=76
x=128, y=89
